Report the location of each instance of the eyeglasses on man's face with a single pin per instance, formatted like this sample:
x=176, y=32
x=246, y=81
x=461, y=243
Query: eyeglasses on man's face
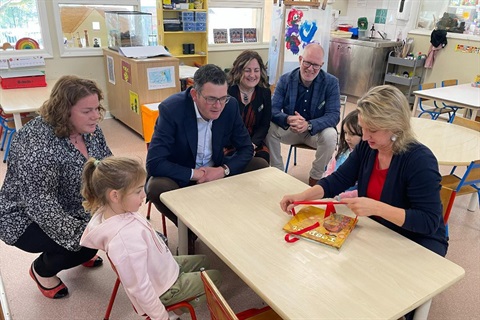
x=307, y=64
x=213, y=100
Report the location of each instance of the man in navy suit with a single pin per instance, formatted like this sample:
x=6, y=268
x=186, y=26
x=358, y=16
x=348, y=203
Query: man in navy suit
x=190, y=134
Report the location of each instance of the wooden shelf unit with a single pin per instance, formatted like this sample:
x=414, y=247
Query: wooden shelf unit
x=174, y=40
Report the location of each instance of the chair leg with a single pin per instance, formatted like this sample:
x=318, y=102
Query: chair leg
x=288, y=158
x=112, y=300
x=164, y=222
x=149, y=207
x=164, y=225
x=294, y=156
x=5, y=156
x=186, y=305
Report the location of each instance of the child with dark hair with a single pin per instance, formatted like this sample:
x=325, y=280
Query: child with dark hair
x=350, y=136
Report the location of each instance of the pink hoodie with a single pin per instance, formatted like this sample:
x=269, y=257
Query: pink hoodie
x=144, y=263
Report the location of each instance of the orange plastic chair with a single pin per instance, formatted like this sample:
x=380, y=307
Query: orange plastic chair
x=182, y=304
x=220, y=310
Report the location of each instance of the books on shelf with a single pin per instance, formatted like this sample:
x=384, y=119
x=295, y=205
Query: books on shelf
x=311, y=223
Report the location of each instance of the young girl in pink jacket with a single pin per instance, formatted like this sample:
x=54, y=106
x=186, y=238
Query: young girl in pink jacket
x=113, y=189
x=350, y=136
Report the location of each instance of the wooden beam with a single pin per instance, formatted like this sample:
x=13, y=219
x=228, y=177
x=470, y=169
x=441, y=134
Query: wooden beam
x=313, y=3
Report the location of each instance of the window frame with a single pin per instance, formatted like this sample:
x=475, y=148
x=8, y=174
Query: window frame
x=47, y=51
x=90, y=51
x=248, y=4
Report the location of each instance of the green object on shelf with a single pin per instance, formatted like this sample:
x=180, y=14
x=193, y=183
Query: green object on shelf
x=362, y=23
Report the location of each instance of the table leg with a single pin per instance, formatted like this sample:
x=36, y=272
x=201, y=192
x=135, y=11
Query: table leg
x=473, y=204
x=182, y=238
x=421, y=313
x=18, y=121
x=415, y=106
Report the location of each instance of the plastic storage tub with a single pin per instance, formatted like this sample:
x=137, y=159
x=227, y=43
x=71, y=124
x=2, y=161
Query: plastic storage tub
x=128, y=28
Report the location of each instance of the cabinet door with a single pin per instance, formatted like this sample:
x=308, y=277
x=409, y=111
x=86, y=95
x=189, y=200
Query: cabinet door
x=352, y=65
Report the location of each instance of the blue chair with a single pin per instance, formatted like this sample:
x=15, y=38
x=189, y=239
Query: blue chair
x=293, y=147
x=7, y=129
x=434, y=111
x=448, y=83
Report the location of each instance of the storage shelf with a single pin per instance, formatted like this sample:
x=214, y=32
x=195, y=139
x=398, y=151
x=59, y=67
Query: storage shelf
x=402, y=80
x=175, y=39
x=406, y=62
x=186, y=56
x=183, y=32
x=396, y=66
x=180, y=10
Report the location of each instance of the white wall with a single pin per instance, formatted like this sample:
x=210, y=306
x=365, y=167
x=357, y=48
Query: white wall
x=367, y=8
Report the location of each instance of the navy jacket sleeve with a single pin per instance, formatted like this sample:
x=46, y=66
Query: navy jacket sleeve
x=325, y=105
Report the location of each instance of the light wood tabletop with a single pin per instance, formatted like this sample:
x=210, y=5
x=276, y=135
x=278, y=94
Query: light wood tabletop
x=452, y=145
x=462, y=95
x=377, y=274
x=16, y=101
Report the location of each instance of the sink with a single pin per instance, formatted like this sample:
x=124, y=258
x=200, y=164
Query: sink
x=370, y=42
x=377, y=40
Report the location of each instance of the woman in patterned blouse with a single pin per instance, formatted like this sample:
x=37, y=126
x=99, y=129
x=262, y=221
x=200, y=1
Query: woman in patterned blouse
x=40, y=202
x=249, y=85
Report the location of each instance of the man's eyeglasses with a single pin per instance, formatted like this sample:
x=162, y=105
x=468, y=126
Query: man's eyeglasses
x=213, y=100
x=307, y=64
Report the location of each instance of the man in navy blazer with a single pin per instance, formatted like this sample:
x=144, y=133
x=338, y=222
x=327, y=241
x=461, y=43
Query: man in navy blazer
x=190, y=134
x=306, y=109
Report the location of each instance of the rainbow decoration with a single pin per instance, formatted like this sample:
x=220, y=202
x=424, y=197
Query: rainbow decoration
x=26, y=43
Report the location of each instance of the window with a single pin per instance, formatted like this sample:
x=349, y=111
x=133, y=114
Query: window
x=81, y=27
x=458, y=16
x=239, y=21
x=23, y=24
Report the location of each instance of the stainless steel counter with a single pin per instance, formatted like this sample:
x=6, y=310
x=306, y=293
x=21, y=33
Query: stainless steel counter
x=359, y=64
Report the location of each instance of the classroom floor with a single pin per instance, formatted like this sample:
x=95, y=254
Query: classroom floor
x=90, y=289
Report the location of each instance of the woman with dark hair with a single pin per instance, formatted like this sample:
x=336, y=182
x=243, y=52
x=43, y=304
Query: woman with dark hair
x=248, y=84
x=40, y=202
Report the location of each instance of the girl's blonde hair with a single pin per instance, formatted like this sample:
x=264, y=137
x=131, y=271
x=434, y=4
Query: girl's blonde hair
x=112, y=173
x=386, y=108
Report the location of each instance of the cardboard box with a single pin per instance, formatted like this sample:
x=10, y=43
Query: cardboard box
x=22, y=79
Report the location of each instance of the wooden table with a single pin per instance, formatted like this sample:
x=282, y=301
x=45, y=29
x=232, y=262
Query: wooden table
x=17, y=101
x=463, y=95
x=377, y=274
x=452, y=145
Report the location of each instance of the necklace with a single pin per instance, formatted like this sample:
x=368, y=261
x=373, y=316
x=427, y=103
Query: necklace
x=246, y=94
x=75, y=138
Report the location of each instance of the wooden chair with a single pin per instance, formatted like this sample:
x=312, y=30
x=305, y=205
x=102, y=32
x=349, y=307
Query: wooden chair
x=183, y=304
x=434, y=111
x=467, y=184
x=467, y=123
x=220, y=310
x=293, y=147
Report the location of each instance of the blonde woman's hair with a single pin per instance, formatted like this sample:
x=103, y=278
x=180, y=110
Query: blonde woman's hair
x=386, y=108
x=112, y=173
